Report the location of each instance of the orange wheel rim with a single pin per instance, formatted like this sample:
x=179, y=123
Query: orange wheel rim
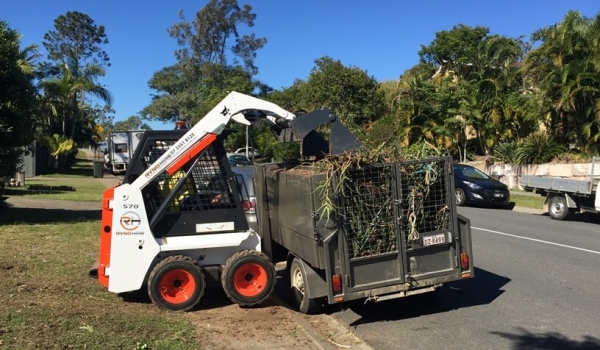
x=177, y=286
x=250, y=279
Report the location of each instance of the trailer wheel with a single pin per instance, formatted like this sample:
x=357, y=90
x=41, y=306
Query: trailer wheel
x=460, y=196
x=557, y=208
x=248, y=278
x=298, y=283
x=176, y=283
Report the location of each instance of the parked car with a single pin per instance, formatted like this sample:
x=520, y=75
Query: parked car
x=245, y=180
x=472, y=186
x=239, y=160
x=244, y=176
x=251, y=151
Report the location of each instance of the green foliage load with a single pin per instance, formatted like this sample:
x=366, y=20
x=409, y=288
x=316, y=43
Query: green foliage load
x=359, y=189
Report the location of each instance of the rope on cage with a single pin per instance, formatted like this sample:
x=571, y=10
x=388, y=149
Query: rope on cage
x=412, y=219
x=431, y=174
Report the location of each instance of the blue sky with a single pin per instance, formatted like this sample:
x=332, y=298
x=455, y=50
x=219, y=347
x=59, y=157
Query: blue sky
x=382, y=37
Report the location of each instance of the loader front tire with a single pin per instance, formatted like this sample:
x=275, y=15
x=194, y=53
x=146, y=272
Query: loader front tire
x=176, y=283
x=248, y=278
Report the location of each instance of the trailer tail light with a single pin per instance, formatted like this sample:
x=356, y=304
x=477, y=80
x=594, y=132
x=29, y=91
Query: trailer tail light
x=336, y=283
x=464, y=261
x=249, y=206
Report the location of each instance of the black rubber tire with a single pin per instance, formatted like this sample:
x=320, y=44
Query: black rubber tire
x=303, y=303
x=460, y=196
x=557, y=208
x=249, y=260
x=168, y=265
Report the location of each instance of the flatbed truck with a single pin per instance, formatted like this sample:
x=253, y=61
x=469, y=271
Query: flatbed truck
x=565, y=196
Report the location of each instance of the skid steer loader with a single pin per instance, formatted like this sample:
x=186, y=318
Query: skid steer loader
x=177, y=221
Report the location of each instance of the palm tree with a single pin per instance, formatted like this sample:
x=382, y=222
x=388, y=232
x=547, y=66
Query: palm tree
x=566, y=68
x=28, y=56
x=67, y=89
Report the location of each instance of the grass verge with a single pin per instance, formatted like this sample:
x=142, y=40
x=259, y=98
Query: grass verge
x=79, y=176
x=86, y=190
x=82, y=167
x=49, y=302
x=527, y=201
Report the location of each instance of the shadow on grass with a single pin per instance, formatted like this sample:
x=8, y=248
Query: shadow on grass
x=11, y=216
x=548, y=341
x=83, y=167
x=481, y=290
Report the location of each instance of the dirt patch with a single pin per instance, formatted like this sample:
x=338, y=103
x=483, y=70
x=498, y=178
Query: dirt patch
x=232, y=327
x=274, y=325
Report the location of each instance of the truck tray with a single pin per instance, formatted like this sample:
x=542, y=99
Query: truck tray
x=558, y=184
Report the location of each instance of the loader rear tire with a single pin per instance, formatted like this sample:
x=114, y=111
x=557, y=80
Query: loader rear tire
x=248, y=278
x=176, y=283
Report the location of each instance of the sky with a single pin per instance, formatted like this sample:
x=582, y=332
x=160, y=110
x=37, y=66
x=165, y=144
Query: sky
x=382, y=37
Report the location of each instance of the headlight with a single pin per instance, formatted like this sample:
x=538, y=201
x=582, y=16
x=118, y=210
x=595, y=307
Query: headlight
x=472, y=185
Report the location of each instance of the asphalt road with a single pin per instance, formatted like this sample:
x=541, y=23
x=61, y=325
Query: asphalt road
x=536, y=286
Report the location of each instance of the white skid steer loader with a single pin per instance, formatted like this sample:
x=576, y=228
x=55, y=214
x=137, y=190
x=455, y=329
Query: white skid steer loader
x=178, y=220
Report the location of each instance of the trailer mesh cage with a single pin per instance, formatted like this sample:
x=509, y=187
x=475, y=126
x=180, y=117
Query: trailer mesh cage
x=367, y=211
x=370, y=195
x=206, y=188
x=424, y=198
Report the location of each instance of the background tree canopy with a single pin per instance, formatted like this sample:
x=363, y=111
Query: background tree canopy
x=472, y=92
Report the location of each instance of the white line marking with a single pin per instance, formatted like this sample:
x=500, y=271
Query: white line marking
x=537, y=240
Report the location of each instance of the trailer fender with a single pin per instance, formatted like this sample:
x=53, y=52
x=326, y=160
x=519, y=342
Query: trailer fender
x=314, y=284
x=570, y=201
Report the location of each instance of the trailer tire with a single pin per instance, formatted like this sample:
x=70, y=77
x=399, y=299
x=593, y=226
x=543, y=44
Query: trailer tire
x=557, y=208
x=176, y=283
x=298, y=281
x=248, y=278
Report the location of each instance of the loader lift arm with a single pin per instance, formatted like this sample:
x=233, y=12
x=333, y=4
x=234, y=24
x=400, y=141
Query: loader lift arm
x=241, y=108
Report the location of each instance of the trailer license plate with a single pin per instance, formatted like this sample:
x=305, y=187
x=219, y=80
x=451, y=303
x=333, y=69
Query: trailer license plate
x=434, y=239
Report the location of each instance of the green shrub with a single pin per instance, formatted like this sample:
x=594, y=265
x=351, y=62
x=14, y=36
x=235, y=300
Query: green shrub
x=506, y=152
x=538, y=148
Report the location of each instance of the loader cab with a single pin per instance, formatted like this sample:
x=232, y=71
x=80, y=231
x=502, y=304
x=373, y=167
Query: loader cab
x=203, y=196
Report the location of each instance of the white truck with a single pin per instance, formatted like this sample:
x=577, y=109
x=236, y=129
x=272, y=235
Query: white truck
x=121, y=146
x=566, y=196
